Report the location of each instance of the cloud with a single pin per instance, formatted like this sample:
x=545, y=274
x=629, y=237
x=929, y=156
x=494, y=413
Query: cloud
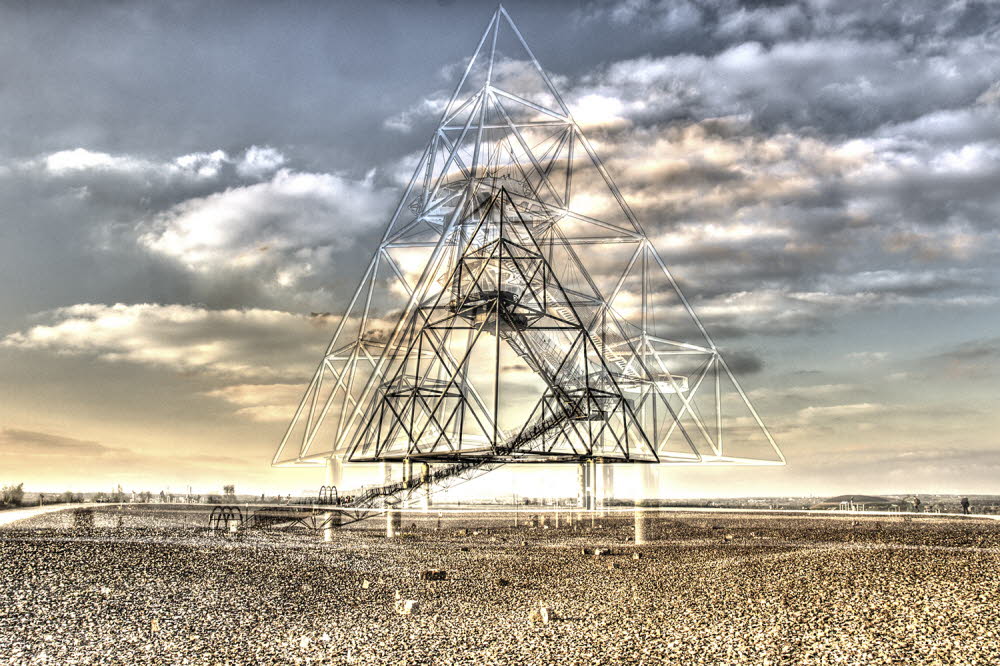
x=281, y=231
x=651, y=15
x=406, y=120
x=262, y=402
x=972, y=360
x=807, y=152
x=202, y=227
x=16, y=441
x=809, y=392
x=76, y=163
x=80, y=159
x=765, y=63
x=227, y=344
x=719, y=22
x=868, y=356
x=258, y=162
x=763, y=23
x=850, y=412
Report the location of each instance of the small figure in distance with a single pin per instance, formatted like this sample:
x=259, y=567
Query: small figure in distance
x=965, y=505
x=916, y=504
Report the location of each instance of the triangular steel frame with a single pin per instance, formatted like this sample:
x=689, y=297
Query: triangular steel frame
x=525, y=150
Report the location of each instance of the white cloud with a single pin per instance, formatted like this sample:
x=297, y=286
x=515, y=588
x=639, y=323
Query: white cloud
x=258, y=162
x=81, y=159
x=664, y=15
x=830, y=82
x=282, y=229
x=868, y=356
x=805, y=392
x=255, y=163
x=833, y=412
x=203, y=165
x=251, y=343
x=262, y=402
x=405, y=120
x=763, y=23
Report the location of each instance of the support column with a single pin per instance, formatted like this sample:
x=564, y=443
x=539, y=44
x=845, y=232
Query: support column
x=585, y=480
x=649, y=486
x=393, y=523
x=595, y=498
x=641, y=525
x=334, y=474
x=607, y=484
x=425, y=491
x=334, y=471
x=407, y=472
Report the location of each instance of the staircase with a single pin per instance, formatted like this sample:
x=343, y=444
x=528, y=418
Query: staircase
x=547, y=353
x=614, y=357
x=452, y=475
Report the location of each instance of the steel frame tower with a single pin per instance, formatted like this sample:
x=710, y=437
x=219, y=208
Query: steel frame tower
x=516, y=311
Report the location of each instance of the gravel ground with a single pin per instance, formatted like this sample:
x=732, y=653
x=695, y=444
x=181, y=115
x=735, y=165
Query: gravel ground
x=710, y=589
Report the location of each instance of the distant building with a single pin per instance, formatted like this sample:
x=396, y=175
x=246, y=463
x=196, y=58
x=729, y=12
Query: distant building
x=859, y=503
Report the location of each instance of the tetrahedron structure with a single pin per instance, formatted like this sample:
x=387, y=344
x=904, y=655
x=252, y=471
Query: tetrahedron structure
x=515, y=311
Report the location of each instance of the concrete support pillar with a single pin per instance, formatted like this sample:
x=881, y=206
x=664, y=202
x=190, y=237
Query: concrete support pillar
x=649, y=486
x=334, y=471
x=596, y=500
x=425, y=490
x=393, y=523
x=607, y=492
x=641, y=526
x=407, y=472
x=327, y=529
x=586, y=477
x=331, y=521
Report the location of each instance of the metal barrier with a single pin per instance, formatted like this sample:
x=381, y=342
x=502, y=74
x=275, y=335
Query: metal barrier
x=225, y=518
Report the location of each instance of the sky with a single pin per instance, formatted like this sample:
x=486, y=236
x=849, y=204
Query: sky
x=187, y=188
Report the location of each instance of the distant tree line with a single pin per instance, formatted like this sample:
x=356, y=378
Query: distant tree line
x=11, y=495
